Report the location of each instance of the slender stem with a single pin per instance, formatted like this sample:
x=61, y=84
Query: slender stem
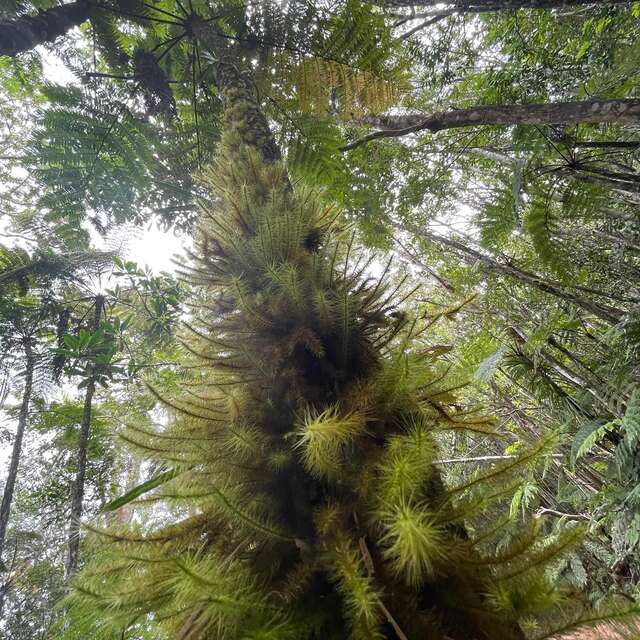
x=559, y=456
x=9, y=487
x=77, y=496
x=195, y=104
x=166, y=13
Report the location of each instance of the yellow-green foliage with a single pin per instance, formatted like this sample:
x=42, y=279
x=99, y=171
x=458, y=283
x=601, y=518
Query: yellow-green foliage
x=414, y=542
x=324, y=437
x=354, y=91
x=304, y=502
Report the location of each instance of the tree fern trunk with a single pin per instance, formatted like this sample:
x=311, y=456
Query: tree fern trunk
x=245, y=119
x=7, y=496
x=77, y=494
x=302, y=392
x=25, y=33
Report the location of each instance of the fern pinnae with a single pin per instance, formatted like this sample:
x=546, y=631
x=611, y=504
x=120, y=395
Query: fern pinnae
x=491, y=532
x=518, y=550
x=529, y=455
x=254, y=523
x=564, y=541
x=621, y=624
x=177, y=407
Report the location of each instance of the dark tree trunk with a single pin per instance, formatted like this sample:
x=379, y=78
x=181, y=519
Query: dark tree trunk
x=251, y=128
x=77, y=495
x=588, y=111
x=609, y=314
x=25, y=33
x=9, y=487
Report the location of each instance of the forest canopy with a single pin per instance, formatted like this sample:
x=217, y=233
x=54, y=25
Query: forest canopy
x=390, y=387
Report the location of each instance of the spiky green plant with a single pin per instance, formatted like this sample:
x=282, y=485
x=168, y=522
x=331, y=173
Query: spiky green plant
x=300, y=495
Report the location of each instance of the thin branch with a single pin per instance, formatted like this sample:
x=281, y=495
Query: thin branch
x=426, y=23
x=572, y=516
x=140, y=16
x=559, y=456
x=166, y=13
x=176, y=40
x=587, y=111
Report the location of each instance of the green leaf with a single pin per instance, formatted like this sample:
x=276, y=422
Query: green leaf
x=582, y=50
x=588, y=436
x=487, y=368
x=141, y=489
x=632, y=536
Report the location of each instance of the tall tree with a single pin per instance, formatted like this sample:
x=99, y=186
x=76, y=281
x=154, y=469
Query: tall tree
x=325, y=499
x=26, y=32
x=23, y=416
x=25, y=320
x=98, y=361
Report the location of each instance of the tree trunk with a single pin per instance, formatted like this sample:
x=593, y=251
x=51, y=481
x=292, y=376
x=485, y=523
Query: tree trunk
x=7, y=496
x=246, y=120
x=588, y=111
x=480, y=6
x=25, y=33
x=77, y=495
x=610, y=315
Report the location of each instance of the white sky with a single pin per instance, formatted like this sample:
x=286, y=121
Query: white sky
x=149, y=246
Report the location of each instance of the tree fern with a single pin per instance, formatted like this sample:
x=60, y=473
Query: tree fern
x=295, y=345
x=100, y=155
x=630, y=425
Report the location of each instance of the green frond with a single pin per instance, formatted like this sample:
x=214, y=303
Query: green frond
x=522, y=460
x=537, y=223
x=354, y=92
x=529, y=596
x=588, y=436
x=498, y=220
x=543, y=554
x=243, y=442
x=618, y=624
x=406, y=464
x=630, y=426
x=312, y=149
x=141, y=489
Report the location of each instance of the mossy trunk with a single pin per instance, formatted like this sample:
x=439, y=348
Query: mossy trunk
x=303, y=435
x=451, y=606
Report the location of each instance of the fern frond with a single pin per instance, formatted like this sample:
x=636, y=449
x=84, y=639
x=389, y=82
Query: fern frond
x=537, y=223
x=325, y=85
x=630, y=425
x=588, y=436
x=621, y=624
